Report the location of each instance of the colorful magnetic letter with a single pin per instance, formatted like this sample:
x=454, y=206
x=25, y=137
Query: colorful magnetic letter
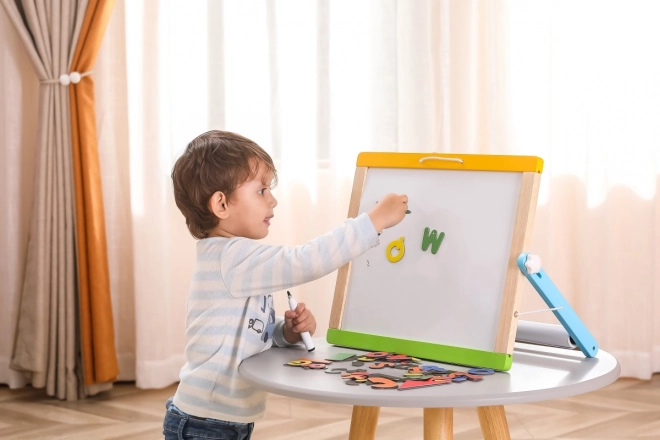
x=398, y=357
x=316, y=361
x=382, y=383
x=379, y=365
x=433, y=368
x=411, y=384
x=440, y=379
x=316, y=366
x=481, y=371
x=432, y=239
x=299, y=363
x=355, y=376
x=399, y=246
x=467, y=375
x=376, y=354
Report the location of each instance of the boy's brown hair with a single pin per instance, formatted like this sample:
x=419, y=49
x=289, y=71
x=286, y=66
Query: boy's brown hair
x=214, y=161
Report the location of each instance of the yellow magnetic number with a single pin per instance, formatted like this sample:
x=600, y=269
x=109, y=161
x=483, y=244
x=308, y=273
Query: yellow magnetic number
x=399, y=246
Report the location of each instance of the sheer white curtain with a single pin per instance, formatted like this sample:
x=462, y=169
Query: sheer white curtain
x=585, y=96
x=317, y=82
x=314, y=83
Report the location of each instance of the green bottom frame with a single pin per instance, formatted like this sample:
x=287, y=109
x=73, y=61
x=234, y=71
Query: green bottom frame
x=425, y=350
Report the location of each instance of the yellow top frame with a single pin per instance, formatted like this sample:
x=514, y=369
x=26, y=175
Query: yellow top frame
x=441, y=161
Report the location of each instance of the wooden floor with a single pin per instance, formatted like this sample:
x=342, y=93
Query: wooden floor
x=627, y=409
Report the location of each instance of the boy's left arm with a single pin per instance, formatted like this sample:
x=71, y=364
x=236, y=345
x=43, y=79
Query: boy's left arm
x=287, y=330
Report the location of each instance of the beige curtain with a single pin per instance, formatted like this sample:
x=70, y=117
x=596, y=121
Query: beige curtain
x=46, y=343
x=19, y=103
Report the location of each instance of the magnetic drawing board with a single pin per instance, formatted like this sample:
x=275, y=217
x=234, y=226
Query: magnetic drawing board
x=450, y=289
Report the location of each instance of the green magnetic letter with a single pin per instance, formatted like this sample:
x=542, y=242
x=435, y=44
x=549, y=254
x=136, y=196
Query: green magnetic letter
x=432, y=239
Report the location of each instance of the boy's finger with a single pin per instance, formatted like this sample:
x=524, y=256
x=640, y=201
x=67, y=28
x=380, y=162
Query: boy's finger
x=304, y=325
x=289, y=315
x=301, y=308
x=302, y=328
x=307, y=328
x=303, y=317
x=298, y=322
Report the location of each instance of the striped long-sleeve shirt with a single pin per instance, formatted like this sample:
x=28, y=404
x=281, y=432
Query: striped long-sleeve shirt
x=230, y=312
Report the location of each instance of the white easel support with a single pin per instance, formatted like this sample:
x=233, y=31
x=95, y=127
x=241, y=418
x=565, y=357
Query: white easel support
x=530, y=266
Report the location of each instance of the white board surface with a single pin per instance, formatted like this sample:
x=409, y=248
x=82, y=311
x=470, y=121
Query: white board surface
x=452, y=297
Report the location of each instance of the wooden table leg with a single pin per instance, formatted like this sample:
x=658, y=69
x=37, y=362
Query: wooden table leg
x=363, y=422
x=493, y=422
x=438, y=423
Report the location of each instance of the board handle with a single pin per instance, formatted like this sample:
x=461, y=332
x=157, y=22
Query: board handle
x=450, y=159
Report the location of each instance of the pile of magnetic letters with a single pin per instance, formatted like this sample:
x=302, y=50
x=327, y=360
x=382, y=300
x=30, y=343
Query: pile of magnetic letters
x=416, y=374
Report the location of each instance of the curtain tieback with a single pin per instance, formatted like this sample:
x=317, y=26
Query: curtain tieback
x=68, y=78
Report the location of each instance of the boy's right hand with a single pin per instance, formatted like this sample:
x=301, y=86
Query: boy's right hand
x=389, y=211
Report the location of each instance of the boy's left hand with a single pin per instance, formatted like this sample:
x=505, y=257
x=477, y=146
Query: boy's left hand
x=298, y=321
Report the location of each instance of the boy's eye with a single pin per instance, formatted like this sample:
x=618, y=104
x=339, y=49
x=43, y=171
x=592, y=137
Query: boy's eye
x=261, y=191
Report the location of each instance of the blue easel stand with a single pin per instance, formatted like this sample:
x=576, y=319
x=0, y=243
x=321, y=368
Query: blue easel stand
x=565, y=313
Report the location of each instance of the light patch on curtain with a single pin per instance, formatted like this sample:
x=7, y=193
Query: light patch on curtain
x=180, y=89
x=296, y=36
x=585, y=94
x=136, y=96
x=186, y=50
x=247, y=72
x=351, y=61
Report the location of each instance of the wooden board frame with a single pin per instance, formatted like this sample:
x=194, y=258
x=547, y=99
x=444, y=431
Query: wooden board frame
x=341, y=286
x=530, y=167
x=513, y=284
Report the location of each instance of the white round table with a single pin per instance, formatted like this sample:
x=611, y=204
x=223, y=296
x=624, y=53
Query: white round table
x=538, y=373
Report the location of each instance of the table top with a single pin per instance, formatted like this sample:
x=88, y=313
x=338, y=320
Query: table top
x=538, y=373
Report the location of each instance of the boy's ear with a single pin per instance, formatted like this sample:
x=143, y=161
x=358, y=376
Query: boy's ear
x=218, y=205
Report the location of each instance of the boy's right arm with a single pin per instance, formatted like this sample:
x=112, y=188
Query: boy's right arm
x=250, y=268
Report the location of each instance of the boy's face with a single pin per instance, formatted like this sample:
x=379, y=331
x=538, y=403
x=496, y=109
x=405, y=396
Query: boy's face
x=251, y=208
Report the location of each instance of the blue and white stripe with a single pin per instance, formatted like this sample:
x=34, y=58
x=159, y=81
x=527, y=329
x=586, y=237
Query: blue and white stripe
x=229, y=303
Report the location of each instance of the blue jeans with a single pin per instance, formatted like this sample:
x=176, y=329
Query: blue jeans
x=181, y=426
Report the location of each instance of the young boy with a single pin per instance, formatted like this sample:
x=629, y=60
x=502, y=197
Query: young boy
x=222, y=185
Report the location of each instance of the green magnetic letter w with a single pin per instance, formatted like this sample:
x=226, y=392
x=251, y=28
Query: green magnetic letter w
x=432, y=239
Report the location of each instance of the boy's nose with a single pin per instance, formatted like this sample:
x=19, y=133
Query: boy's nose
x=274, y=202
